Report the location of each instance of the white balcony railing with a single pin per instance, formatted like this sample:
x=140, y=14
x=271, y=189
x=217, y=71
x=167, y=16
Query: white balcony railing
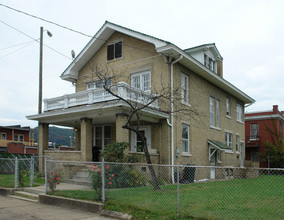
x=100, y=95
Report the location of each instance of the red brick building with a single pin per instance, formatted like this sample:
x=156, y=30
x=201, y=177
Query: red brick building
x=16, y=139
x=256, y=131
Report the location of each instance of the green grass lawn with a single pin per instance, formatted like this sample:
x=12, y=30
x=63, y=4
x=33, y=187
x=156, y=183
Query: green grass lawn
x=8, y=181
x=259, y=198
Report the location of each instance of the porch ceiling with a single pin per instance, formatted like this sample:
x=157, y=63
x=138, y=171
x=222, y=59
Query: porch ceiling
x=100, y=113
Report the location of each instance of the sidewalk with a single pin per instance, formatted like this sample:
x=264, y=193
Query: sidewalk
x=18, y=209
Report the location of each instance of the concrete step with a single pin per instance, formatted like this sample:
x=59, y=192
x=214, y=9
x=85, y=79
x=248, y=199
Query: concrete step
x=26, y=195
x=79, y=182
x=23, y=198
x=35, y=190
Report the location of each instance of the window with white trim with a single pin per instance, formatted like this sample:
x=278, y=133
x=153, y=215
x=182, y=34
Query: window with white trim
x=228, y=107
x=185, y=138
x=228, y=139
x=136, y=140
x=141, y=81
x=219, y=156
x=239, y=113
x=184, y=88
x=3, y=136
x=237, y=143
x=254, y=131
x=114, y=51
x=214, y=112
x=102, y=135
x=98, y=84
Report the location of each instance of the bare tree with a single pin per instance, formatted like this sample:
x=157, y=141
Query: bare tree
x=139, y=102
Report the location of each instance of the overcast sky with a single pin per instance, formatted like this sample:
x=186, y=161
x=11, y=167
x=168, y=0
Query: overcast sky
x=249, y=35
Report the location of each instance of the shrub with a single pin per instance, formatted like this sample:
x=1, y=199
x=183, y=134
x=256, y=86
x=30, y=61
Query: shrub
x=53, y=180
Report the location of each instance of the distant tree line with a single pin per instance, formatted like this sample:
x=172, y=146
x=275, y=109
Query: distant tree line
x=59, y=136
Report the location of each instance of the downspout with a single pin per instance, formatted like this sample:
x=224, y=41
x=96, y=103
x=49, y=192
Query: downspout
x=172, y=116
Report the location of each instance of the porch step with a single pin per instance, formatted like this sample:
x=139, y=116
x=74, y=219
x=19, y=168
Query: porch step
x=27, y=196
x=80, y=178
x=34, y=190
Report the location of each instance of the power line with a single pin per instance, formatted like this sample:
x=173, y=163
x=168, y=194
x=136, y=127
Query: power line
x=51, y=22
x=17, y=50
x=37, y=40
x=15, y=45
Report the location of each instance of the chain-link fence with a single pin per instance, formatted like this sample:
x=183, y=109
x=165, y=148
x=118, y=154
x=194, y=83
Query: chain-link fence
x=194, y=192
x=18, y=170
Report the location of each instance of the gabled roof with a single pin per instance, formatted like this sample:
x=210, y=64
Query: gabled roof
x=205, y=47
x=163, y=47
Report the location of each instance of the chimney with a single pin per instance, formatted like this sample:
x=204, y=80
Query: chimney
x=275, y=108
x=220, y=68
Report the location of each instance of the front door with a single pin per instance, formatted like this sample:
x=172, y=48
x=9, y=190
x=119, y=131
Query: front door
x=101, y=138
x=212, y=163
x=242, y=154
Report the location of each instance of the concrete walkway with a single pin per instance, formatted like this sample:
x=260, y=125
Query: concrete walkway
x=62, y=186
x=18, y=209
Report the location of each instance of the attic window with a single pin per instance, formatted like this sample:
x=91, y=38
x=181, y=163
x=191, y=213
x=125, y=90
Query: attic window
x=114, y=50
x=209, y=62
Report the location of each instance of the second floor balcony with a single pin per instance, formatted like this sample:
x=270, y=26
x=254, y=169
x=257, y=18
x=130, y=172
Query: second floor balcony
x=98, y=95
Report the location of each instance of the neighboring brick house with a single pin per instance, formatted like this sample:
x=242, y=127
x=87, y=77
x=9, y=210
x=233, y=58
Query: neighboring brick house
x=16, y=139
x=215, y=136
x=256, y=128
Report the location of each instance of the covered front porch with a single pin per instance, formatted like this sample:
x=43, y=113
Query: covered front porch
x=97, y=125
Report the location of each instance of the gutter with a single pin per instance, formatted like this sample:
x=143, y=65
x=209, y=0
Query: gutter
x=172, y=117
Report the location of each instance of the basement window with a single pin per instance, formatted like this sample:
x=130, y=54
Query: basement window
x=114, y=51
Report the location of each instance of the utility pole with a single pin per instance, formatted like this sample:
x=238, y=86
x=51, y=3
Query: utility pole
x=40, y=72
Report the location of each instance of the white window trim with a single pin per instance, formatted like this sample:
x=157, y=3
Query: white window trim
x=140, y=74
x=184, y=78
x=147, y=130
x=240, y=107
x=238, y=143
x=114, y=42
x=185, y=153
x=216, y=113
x=229, y=133
x=103, y=134
x=228, y=107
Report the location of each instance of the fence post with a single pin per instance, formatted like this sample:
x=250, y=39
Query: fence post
x=45, y=174
x=103, y=180
x=16, y=172
x=32, y=171
x=52, y=165
x=177, y=191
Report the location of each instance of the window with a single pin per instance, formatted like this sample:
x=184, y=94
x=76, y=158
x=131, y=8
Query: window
x=114, y=51
x=141, y=81
x=239, y=113
x=184, y=88
x=254, y=131
x=19, y=137
x=219, y=156
x=214, y=112
x=3, y=136
x=218, y=113
x=228, y=107
x=237, y=143
x=136, y=140
x=228, y=139
x=98, y=84
x=209, y=62
x=185, y=138
x=102, y=136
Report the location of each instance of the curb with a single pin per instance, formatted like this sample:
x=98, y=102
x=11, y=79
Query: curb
x=81, y=205
x=7, y=191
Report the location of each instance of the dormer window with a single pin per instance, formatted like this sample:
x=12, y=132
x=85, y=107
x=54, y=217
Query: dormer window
x=114, y=51
x=209, y=62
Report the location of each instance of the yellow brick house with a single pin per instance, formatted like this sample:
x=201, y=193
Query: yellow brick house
x=214, y=135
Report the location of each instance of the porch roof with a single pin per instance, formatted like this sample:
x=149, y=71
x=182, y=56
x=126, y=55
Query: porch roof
x=219, y=145
x=100, y=113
